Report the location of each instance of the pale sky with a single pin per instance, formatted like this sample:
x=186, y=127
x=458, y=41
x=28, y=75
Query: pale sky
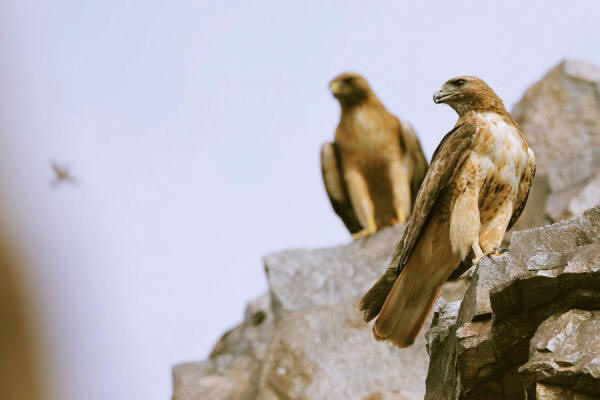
x=194, y=128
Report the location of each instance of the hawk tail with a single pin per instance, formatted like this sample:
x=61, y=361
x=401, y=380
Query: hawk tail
x=410, y=300
x=404, y=313
x=373, y=300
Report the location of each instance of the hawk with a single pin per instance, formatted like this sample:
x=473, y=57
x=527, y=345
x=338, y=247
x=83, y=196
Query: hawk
x=374, y=167
x=474, y=191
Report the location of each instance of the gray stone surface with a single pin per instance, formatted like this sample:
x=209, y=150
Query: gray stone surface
x=305, y=339
x=547, y=271
x=577, y=168
x=301, y=279
x=329, y=353
x=235, y=364
x=587, y=197
x=560, y=118
x=441, y=342
x=565, y=351
x=575, y=185
x=560, y=114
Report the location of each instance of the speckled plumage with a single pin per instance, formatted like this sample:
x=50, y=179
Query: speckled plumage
x=475, y=189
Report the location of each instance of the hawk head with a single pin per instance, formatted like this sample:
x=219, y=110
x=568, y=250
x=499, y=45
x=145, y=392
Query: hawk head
x=350, y=88
x=467, y=93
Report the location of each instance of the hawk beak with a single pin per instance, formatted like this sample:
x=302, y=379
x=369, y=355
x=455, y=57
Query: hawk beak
x=440, y=96
x=335, y=87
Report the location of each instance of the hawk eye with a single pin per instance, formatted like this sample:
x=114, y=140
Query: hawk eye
x=459, y=82
x=348, y=80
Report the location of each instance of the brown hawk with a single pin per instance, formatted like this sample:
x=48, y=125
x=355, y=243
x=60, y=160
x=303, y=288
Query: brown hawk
x=474, y=191
x=373, y=169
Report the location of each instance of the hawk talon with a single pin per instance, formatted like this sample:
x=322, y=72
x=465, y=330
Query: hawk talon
x=363, y=233
x=497, y=251
x=401, y=217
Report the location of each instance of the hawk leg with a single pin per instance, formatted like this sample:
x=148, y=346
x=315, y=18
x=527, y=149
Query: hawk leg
x=478, y=253
x=361, y=203
x=493, y=230
x=400, y=181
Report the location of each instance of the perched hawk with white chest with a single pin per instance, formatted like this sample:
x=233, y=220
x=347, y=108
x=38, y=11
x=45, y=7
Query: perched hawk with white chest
x=373, y=169
x=474, y=191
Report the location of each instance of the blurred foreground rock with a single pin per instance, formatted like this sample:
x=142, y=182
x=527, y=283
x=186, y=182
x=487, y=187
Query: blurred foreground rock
x=530, y=318
x=306, y=339
x=560, y=118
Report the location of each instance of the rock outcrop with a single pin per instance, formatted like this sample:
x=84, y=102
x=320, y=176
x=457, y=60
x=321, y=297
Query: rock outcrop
x=305, y=338
x=560, y=117
x=529, y=319
x=565, y=351
x=235, y=364
x=526, y=327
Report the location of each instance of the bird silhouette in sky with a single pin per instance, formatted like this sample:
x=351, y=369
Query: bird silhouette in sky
x=62, y=174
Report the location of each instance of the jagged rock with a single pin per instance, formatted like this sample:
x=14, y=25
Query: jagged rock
x=440, y=344
x=306, y=338
x=226, y=377
x=235, y=364
x=546, y=271
x=251, y=337
x=560, y=114
x=315, y=297
x=569, y=181
x=550, y=392
x=565, y=351
x=560, y=118
x=301, y=279
x=586, y=198
x=329, y=353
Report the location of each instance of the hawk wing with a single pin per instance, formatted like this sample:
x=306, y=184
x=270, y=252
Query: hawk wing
x=336, y=188
x=414, y=152
x=446, y=158
x=524, y=188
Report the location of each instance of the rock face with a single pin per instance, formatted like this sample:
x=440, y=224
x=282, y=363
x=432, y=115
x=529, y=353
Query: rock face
x=235, y=364
x=529, y=322
x=560, y=117
x=527, y=327
x=565, y=351
x=306, y=339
